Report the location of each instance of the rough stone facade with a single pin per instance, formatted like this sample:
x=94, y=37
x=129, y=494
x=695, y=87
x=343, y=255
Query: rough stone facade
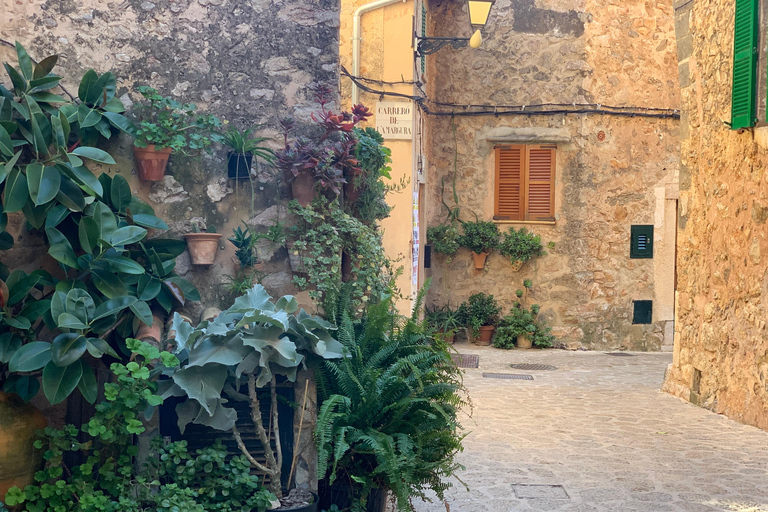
x=721, y=352
x=612, y=172
x=247, y=62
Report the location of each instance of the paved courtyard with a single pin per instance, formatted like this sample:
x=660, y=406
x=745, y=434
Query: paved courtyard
x=599, y=427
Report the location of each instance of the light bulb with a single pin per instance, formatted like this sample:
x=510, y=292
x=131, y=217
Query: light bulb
x=476, y=40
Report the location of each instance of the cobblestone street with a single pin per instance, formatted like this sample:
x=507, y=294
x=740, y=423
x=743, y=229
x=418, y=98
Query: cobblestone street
x=599, y=427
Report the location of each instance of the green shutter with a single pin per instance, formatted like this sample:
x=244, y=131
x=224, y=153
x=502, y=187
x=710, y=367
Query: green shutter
x=641, y=243
x=423, y=34
x=744, y=64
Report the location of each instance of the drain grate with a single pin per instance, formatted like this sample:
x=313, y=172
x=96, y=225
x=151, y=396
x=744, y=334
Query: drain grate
x=511, y=376
x=534, y=491
x=466, y=360
x=622, y=354
x=532, y=366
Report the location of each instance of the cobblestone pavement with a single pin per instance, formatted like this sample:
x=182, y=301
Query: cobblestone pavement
x=599, y=427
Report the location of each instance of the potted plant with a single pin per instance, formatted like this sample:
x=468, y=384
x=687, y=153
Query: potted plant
x=522, y=325
x=520, y=246
x=321, y=162
x=480, y=313
x=365, y=178
x=256, y=341
x=445, y=238
x=480, y=237
x=243, y=148
x=245, y=241
x=444, y=321
x=202, y=245
x=167, y=125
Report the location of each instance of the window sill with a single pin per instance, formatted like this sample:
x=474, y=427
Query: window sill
x=539, y=222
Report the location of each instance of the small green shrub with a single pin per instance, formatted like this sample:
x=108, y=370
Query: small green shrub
x=522, y=320
x=521, y=245
x=445, y=238
x=480, y=236
x=479, y=310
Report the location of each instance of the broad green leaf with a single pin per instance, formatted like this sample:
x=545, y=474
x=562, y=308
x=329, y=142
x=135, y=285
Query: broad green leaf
x=8, y=167
x=149, y=221
x=60, y=248
x=35, y=310
x=88, y=233
x=67, y=348
x=141, y=310
x=97, y=347
x=18, y=290
x=59, y=140
x=108, y=283
x=148, y=287
x=47, y=97
x=88, y=385
x=95, y=154
x=120, y=193
x=202, y=384
x=19, y=322
x=26, y=386
x=114, y=105
x=229, y=353
x=127, y=235
x=56, y=215
x=176, y=291
x=102, y=90
x=45, y=66
x=187, y=288
x=87, y=116
x=6, y=146
x=166, y=248
x=119, y=121
x=68, y=321
x=43, y=84
x=113, y=306
x=89, y=79
x=104, y=128
x=105, y=220
x=30, y=357
x=64, y=124
x=16, y=191
x=25, y=63
x=124, y=265
x=36, y=215
x=41, y=130
x=70, y=195
x=19, y=84
x=83, y=175
x=9, y=344
x=59, y=382
x=79, y=303
x=43, y=182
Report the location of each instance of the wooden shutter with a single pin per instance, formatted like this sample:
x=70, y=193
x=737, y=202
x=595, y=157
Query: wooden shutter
x=510, y=161
x=540, y=183
x=744, y=64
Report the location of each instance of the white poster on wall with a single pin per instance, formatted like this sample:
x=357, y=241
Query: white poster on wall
x=394, y=119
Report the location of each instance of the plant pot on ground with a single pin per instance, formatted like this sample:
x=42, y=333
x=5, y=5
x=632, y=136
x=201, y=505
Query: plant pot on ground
x=443, y=321
x=524, y=340
x=203, y=246
x=480, y=310
x=522, y=325
x=480, y=237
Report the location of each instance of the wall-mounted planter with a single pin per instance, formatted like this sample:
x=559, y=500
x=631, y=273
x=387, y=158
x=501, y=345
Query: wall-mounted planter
x=479, y=260
x=152, y=333
x=353, y=187
x=524, y=341
x=303, y=189
x=239, y=165
x=202, y=247
x=151, y=162
x=296, y=259
x=486, y=335
x=517, y=265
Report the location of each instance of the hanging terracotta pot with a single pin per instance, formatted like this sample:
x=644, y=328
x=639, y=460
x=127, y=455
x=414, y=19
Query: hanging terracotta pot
x=479, y=259
x=353, y=186
x=202, y=247
x=19, y=459
x=524, y=341
x=303, y=189
x=517, y=265
x=151, y=162
x=486, y=335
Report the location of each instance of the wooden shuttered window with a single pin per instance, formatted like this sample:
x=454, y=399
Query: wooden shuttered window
x=744, y=89
x=525, y=183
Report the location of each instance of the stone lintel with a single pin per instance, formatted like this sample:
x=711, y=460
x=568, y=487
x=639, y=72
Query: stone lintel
x=526, y=135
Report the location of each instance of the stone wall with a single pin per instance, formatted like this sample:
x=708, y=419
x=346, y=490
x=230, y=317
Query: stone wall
x=247, y=62
x=612, y=172
x=721, y=347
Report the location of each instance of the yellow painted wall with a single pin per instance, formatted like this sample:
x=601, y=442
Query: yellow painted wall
x=387, y=54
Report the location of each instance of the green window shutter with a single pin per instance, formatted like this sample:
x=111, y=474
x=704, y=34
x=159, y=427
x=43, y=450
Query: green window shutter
x=641, y=245
x=423, y=34
x=744, y=64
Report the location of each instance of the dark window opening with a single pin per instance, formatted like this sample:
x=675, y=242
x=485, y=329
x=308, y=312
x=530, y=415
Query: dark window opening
x=643, y=312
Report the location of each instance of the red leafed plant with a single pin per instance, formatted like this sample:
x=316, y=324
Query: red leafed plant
x=327, y=157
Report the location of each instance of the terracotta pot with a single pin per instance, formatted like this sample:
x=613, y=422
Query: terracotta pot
x=353, y=187
x=524, y=341
x=151, y=162
x=517, y=265
x=151, y=333
x=479, y=259
x=202, y=247
x=450, y=339
x=303, y=189
x=19, y=460
x=486, y=335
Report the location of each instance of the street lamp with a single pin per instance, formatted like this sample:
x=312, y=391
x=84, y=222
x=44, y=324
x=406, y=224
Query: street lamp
x=479, y=11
